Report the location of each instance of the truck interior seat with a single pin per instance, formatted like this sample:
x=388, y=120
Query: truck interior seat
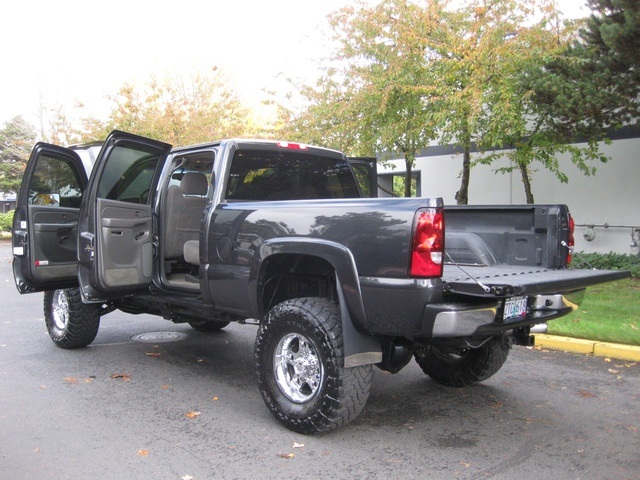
x=191, y=252
x=185, y=204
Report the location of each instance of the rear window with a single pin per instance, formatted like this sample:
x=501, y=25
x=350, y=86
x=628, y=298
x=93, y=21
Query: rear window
x=288, y=175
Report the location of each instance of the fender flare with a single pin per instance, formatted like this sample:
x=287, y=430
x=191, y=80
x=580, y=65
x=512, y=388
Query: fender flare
x=359, y=347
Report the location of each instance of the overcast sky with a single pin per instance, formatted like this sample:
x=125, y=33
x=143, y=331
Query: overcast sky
x=58, y=52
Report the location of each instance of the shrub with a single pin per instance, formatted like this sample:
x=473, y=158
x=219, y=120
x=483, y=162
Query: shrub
x=6, y=221
x=607, y=261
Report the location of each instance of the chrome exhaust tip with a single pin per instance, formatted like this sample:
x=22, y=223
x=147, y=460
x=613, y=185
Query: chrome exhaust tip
x=539, y=328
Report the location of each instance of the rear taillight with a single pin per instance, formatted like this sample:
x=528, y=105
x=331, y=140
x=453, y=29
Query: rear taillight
x=570, y=240
x=427, y=247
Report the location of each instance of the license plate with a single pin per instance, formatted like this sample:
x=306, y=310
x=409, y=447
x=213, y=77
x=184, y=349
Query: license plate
x=515, y=308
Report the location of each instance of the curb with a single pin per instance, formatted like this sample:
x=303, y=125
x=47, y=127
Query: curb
x=589, y=347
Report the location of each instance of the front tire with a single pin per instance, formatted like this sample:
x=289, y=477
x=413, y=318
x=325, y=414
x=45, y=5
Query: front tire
x=299, y=356
x=70, y=322
x=461, y=367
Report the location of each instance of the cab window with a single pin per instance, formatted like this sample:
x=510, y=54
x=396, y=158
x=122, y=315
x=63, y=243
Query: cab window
x=54, y=182
x=128, y=175
x=275, y=175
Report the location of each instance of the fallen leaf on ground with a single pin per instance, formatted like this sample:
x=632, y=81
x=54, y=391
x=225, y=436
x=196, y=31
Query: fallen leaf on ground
x=143, y=453
x=192, y=414
x=152, y=354
x=586, y=394
x=611, y=370
x=215, y=399
x=286, y=455
x=71, y=380
x=124, y=376
x=298, y=445
x=165, y=387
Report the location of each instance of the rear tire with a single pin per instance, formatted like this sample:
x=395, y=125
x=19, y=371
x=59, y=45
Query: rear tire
x=70, y=322
x=299, y=356
x=461, y=367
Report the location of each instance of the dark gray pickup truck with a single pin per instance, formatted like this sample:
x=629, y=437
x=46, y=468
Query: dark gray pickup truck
x=282, y=235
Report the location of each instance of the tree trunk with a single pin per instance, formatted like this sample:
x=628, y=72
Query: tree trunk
x=462, y=197
x=526, y=182
x=408, y=162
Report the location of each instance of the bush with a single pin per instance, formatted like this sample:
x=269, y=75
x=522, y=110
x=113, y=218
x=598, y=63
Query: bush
x=607, y=261
x=6, y=221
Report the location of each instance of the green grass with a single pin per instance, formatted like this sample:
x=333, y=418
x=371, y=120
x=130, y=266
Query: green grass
x=609, y=313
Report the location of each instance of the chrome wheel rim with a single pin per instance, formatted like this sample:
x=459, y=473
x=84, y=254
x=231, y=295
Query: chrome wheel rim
x=297, y=367
x=60, y=309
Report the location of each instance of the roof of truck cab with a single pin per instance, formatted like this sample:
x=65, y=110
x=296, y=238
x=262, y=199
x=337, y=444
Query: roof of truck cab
x=253, y=141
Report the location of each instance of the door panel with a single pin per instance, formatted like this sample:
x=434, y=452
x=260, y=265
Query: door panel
x=45, y=227
x=125, y=244
x=53, y=237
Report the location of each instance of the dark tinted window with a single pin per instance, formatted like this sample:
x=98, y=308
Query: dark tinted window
x=54, y=182
x=275, y=175
x=128, y=175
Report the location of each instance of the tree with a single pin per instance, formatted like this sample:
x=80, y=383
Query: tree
x=571, y=96
x=610, y=46
x=379, y=94
x=578, y=92
x=57, y=127
x=178, y=111
x=407, y=73
x=492, y=44
x=16, y=141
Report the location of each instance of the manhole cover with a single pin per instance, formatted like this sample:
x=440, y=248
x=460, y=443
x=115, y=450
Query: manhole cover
x=158, y=337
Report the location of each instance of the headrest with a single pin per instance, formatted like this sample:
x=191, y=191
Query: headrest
x=194, y=183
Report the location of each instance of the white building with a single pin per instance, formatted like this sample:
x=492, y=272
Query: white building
x=605, y=207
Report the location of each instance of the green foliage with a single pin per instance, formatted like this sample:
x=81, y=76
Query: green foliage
x=408, y=72
x=399, y=187
x=180, y=111
x=6, y=221
x=609, y=48
x=16, y=140
x=381, y=90
x=607, y=261
x=490, y=44
x=591, y=88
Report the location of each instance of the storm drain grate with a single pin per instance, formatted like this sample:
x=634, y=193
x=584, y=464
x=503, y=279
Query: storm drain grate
x=159, y=337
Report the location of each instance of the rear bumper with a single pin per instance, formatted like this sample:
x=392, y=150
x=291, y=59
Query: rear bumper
x=463, y=321
x=415, y=309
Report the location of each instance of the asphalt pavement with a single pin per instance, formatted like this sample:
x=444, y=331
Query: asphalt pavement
x=153, y=400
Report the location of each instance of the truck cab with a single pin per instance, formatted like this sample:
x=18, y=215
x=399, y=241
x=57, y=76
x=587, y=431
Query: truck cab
x=129, y=214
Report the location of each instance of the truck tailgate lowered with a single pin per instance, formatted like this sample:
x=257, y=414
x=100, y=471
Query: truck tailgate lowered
x=507, y=280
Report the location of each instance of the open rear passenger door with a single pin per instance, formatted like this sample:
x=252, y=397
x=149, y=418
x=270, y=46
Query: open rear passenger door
x=117, y=229
x=366, y=172
x=45, y=224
